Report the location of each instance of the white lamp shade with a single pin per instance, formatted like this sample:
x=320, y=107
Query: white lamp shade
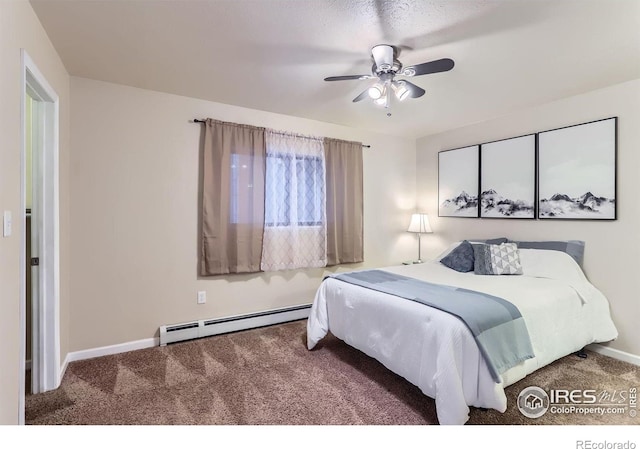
x=420, y=224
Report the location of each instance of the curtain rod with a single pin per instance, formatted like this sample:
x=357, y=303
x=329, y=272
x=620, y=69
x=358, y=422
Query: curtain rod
x=195, y=120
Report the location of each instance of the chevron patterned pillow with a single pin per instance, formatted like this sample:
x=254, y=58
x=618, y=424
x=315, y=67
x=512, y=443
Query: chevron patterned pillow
x=497, y=259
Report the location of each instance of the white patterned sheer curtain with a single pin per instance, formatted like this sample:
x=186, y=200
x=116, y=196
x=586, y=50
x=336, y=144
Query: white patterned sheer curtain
x=295, y=228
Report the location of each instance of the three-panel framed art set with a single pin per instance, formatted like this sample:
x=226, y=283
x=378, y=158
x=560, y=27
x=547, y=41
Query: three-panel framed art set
x=563, y=173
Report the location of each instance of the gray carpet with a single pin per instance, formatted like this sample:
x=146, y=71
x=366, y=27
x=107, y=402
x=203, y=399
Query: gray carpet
x=267, y=376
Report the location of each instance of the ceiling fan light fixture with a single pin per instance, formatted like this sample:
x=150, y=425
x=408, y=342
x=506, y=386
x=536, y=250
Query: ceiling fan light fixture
x=400, y=89
x=382, y=101
x=385, y=68
x=376, y=91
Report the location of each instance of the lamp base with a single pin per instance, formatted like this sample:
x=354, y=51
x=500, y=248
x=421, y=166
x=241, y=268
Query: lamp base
x=418, y=261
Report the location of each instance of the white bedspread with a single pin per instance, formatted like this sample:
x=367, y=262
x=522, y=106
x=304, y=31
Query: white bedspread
x=436, y=352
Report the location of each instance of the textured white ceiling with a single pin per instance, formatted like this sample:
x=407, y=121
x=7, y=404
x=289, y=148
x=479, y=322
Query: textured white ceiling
x=273, y=55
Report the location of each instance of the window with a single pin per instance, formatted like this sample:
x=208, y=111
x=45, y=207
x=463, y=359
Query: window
x=241, y=178
x=294, y=203
x=274, y=200
x=295, y=190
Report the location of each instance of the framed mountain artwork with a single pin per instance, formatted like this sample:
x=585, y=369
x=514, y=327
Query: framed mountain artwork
x=458, y=182
x=577, y=171
x=508, y=178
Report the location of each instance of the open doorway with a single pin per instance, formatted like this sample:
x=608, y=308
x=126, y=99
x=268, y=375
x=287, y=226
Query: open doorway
x=40, y=255
x=29, y=103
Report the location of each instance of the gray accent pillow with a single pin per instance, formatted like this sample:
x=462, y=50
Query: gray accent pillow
x=575, y=248
x=482, y=259
x=461, y=258
x=497, y=259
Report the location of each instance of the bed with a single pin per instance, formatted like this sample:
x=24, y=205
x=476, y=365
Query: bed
x=437, y=352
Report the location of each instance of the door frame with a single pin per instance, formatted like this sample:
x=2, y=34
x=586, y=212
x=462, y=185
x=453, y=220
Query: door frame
x=46, y=323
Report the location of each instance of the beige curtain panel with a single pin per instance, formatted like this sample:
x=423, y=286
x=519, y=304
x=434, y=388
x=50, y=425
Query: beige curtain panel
x=233, y=198
x=345, y=242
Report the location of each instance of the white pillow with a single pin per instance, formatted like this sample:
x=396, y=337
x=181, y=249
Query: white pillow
x=551, y=264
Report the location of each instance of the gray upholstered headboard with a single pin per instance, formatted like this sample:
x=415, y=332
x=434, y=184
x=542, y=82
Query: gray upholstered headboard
x=495, y=241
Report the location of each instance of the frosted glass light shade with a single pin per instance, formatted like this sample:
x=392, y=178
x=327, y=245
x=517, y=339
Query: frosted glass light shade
x=376, y=91
x=400, y=89
x=420, y=224
x=382, y=101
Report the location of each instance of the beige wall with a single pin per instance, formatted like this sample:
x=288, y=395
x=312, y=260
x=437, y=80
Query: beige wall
x=20, y=28
x=134, y=186
x=612, y=248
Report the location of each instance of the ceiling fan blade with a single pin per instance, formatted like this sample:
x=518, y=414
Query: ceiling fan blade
x=348, y=77
x=440, y=65
x=362, y=96
x=414, y=91
x=383, y=56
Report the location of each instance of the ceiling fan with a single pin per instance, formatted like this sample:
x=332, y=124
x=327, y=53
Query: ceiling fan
x=386, y=68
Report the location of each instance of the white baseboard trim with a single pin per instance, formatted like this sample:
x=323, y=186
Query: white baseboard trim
x=615, y=353
x=63, y=370
x=110, y=350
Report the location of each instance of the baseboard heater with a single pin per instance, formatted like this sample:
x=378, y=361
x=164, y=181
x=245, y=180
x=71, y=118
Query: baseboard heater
x=172, y=333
